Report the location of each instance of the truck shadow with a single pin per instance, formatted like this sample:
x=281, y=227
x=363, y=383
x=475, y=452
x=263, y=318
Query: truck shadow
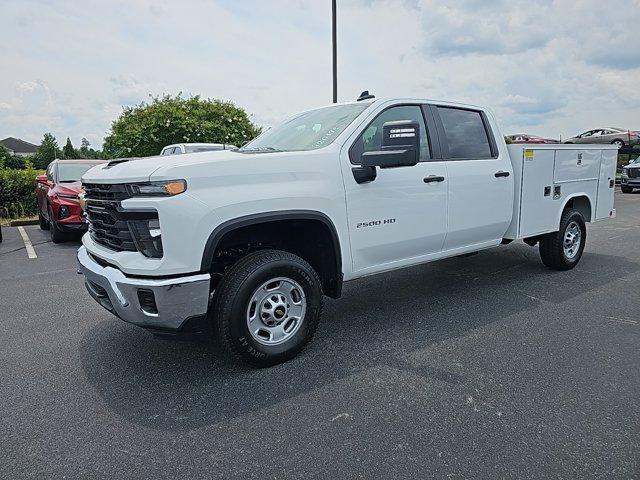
x=380, y=321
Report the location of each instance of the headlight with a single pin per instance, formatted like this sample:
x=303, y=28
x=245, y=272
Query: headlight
x=68, y=197
x=625, y=174
x=157, y=189
x=147, y=236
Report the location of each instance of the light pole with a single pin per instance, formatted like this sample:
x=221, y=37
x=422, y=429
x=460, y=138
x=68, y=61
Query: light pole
x=335, y=51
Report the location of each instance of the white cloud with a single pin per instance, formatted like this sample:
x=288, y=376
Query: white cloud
x=548, y=67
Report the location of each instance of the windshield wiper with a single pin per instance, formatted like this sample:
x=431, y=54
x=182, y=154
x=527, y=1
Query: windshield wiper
x=259, y=149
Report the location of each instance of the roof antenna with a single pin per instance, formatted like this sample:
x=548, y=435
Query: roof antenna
x=365, y=96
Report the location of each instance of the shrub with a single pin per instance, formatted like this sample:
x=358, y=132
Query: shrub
x=17, y=192
x=143, y=130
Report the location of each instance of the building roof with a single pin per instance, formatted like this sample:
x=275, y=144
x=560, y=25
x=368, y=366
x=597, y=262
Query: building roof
x=19, y=146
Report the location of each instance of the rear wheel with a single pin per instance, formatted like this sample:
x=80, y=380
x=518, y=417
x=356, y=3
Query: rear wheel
x=57, y=235
x=618, y=143
x=267, y=307
x=626, y=189
x=563, y=249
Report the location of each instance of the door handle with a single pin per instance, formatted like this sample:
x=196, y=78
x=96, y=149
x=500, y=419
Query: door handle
x=433, y=178
x=501, y=174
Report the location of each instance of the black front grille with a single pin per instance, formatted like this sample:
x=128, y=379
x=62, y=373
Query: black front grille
x=105, y=191
x=633, y=172
x=107, y=223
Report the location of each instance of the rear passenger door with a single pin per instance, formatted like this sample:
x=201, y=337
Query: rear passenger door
x=480, y=178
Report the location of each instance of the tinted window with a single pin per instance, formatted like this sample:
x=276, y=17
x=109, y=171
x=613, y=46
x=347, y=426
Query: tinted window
x=371, y=138
x=168, y=151
x=202, y=148
x=465, y=133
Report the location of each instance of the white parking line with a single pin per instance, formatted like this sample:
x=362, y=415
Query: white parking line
x=31, y=253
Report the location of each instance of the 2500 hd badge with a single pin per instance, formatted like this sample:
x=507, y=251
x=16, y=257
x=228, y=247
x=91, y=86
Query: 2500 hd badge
x=375, y=223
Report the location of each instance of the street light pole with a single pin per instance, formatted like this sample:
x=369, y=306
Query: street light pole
x=335, y=51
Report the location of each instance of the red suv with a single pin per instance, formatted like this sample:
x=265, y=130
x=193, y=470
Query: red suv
x=57, y=192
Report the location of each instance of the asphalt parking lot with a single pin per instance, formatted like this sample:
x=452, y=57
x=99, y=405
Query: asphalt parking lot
x=480, y=367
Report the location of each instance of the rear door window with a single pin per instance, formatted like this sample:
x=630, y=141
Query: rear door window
x=465, y=132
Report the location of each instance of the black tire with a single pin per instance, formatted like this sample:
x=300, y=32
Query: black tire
x=626, y=189
x=552, y=250
x=233, y=302
x=57, y=235
x=44, y=223
x=619, y=143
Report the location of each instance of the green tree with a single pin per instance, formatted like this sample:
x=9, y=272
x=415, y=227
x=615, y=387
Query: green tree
x=144, y=129
x=47, y=152
x=84, y=148
x=86, y=151
x=4, y=156
x=68, y=151
x=17, y=162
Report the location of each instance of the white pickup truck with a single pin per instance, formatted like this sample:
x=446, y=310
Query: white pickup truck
x=245, y=243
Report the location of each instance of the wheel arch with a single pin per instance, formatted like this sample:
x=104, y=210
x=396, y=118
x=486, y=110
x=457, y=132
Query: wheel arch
x=582, y=203
x=329, y=268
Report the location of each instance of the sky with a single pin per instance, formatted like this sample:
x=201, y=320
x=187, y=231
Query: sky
x=552, y=68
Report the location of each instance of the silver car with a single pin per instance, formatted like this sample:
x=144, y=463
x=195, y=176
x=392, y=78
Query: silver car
x=615, y=136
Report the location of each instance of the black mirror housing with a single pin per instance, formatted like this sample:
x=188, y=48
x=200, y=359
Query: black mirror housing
x=390, y=158
x=400, y=146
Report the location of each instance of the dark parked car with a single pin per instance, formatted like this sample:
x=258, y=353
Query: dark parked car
x=57, y=191
x=630, y=176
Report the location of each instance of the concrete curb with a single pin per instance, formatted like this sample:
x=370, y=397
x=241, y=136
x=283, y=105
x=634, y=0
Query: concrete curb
x=22, y=223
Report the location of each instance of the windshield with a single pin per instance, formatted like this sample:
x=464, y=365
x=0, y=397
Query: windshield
x=72, y=172
x=308, y=131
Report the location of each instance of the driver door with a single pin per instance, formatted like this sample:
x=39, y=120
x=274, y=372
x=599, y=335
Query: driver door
x=400, y=216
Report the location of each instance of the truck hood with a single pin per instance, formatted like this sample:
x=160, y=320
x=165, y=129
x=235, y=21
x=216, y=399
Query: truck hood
x=127, y=170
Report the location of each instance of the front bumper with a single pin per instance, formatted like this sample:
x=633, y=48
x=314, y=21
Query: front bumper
x=177, y=300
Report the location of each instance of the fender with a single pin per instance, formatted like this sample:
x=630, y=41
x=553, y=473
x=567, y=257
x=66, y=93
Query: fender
x=264, y=217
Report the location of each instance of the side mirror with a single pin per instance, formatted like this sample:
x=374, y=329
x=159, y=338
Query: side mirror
x=42, y=179
x=400, y=146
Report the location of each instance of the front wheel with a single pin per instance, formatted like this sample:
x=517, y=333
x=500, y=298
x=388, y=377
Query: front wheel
x=563, y=249
x=626, y=189
x=267, y=307
x=57, y=235
x=44, y=223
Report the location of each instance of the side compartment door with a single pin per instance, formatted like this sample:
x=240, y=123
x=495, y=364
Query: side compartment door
x=606, y=184
x=401, y=215
x=480, y=200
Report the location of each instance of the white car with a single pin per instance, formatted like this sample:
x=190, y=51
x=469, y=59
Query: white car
x=247, y=242
x=179, y=148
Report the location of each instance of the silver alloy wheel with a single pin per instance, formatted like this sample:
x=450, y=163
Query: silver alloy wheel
x=276, y=311
x=572, y=240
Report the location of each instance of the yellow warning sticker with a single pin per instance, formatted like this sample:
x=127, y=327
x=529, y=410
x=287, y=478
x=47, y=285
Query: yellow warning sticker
x=528, y=154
